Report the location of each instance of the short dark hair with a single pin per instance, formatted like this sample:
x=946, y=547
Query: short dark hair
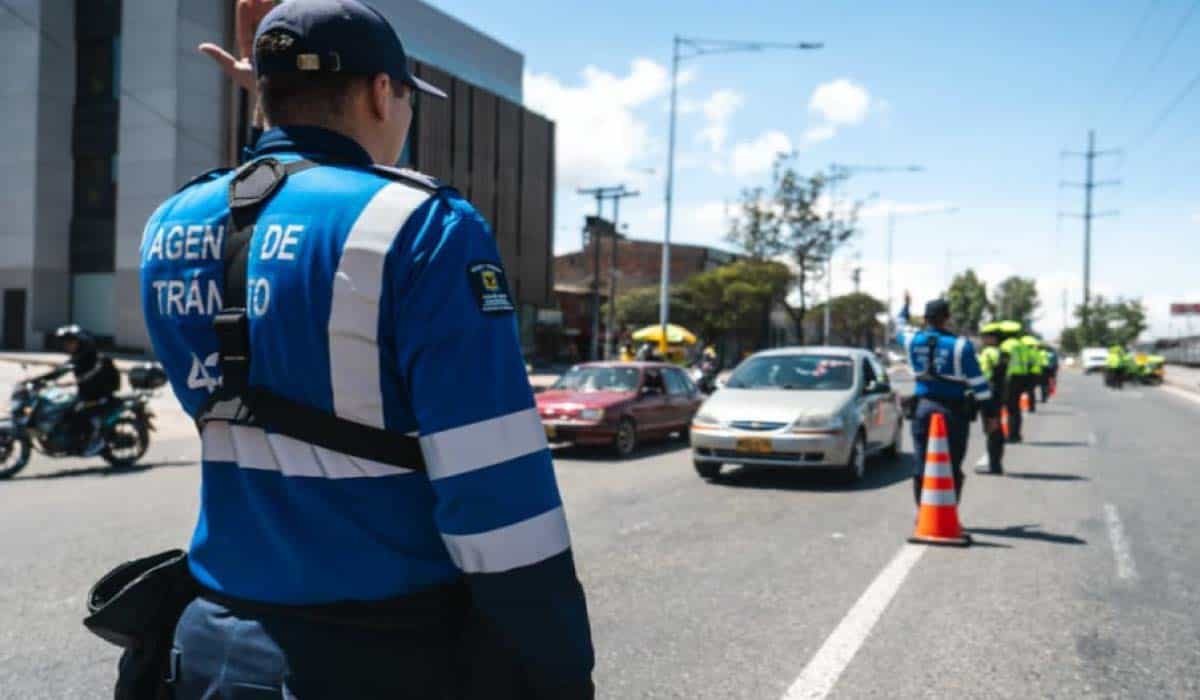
x=300, y=97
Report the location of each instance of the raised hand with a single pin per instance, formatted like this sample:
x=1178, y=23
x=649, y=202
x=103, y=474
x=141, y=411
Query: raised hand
x=240, y=69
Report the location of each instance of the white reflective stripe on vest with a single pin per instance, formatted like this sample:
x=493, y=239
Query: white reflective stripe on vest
x=503, y=549
x=938, y=497
x=354, y=311
x=478, y=445
x=253, y=448
x=958, y=357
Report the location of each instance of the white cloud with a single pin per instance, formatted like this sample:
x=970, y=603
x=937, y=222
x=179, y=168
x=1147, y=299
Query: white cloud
x=598, y=135
x=819, y=133
x=755, y=157
x=879, y=209
x=840, y=102
x=718, y=109
x=833, y=105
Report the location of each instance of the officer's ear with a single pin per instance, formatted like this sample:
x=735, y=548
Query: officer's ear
x=380, y=93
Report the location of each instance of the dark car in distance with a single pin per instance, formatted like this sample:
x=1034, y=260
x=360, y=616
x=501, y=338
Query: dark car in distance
x=618, y=404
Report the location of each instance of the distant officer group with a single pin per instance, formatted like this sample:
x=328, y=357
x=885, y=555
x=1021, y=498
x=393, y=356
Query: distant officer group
x=953, y=380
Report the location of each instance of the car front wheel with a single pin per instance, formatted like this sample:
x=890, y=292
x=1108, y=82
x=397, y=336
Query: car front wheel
x=626, y=440
x=707, y=470
x=856, y=465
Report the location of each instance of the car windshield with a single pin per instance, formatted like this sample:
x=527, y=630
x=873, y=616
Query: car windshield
x=795, y=372
x=599, y=379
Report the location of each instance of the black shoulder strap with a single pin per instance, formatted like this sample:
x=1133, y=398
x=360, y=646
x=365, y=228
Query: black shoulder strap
x=252, y=187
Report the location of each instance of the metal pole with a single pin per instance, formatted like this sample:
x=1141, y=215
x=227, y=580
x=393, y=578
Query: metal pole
x=610, y=336
x=595, y=345
x=664, y=308
x=891, y=223
x=1087, y=228
x=829, y=262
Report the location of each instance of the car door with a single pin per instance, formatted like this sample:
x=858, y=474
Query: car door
x=889, y=408
x=870, y=399
x=650, y=410
x=679, y=399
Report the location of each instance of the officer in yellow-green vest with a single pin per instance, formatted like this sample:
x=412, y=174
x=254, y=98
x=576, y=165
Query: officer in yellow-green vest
x=1037, y=367
x=994, y=363
x=1018, y=375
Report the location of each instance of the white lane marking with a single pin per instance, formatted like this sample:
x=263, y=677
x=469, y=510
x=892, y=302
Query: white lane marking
x=1120, y=544
x=1181, y=393
x=822, y=672
x=1091, y=440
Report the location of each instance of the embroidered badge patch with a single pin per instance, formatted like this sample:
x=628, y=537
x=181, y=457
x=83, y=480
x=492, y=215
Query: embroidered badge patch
x=491, y=287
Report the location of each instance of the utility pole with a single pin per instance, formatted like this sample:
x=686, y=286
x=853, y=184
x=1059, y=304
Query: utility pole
x=1088, y=185
x=683, y=49
x=839, y=173
x=610, y=336
x=595, y=236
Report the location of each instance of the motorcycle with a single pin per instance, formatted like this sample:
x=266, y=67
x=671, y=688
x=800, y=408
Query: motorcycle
x=705, y=377
x=43, y=419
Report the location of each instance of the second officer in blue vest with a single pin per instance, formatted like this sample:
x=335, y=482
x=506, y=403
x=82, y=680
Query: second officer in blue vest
x=949, y=381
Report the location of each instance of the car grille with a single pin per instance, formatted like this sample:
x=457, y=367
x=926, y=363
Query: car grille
x=781, y=458
x=755, y=425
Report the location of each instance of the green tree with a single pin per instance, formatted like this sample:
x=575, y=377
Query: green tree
x=792, y=223
x=1118, y=322
x=854, y=318
x=968, y=302
x=1016, y=299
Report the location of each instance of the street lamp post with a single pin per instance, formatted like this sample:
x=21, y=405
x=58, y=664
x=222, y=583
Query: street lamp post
x=695, y=48
x=839, y=173
x=891, y=229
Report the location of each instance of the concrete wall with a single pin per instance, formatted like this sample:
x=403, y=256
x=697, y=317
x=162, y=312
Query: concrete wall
x=432, y=36
x=37, y=91
x=173, y=125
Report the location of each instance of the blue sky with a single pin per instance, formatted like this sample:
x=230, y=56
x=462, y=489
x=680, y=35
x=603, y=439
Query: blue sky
x=983, y=95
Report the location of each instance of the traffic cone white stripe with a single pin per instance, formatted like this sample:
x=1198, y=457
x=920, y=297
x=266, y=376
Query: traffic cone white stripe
x=940, y=469
x=932, y=497
x=938, y=445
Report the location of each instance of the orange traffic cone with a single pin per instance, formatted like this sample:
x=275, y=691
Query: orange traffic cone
x=1025, y=401
x=1004, y=420
x=937, y=517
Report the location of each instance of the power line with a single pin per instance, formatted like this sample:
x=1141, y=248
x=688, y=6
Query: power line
x=1165, y=113
x=62, y=46
x=1162, y=54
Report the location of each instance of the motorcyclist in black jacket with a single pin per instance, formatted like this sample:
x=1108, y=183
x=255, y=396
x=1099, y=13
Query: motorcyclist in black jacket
x=96, y=378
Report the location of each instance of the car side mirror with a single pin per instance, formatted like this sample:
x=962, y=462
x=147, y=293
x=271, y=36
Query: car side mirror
x=875, y=387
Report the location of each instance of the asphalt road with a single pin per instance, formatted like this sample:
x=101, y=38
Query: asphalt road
x=1084, y=580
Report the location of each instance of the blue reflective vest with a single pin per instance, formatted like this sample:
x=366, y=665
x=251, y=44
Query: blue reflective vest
x=385, y=303
x=954, y=363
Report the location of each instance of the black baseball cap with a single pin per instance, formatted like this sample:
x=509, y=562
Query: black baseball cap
x=938, y=309
x=335, y=36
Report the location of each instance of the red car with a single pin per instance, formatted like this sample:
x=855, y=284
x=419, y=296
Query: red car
x=618, y=404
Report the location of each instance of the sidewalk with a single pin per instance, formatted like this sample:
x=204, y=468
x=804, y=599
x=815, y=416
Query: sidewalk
x=1183, y=377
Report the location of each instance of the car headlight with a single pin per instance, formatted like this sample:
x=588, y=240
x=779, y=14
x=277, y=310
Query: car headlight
x=810, y=424
x=591, y=414
x=702, y=419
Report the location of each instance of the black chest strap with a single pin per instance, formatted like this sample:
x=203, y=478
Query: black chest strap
x=235, y=400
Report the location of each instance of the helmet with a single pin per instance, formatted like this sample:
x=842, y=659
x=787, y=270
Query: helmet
x=74, y=332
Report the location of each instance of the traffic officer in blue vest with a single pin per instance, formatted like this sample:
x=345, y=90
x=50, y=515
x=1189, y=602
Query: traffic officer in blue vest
x=379, y=516
x=949, y=381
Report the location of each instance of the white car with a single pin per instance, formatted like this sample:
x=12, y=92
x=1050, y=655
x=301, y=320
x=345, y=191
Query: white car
x=820, y=408
x=1093, y=359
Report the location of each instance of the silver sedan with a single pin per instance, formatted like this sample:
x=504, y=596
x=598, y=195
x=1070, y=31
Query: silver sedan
x=809, y=407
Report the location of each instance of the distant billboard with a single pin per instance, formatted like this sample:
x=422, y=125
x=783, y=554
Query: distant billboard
x=1185, y=309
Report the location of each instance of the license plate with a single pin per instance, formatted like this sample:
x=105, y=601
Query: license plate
x=754, y=445
x=551, y=432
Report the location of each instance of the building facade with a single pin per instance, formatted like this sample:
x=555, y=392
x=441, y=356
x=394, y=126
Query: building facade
x=110, y=109
x=639, y=263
